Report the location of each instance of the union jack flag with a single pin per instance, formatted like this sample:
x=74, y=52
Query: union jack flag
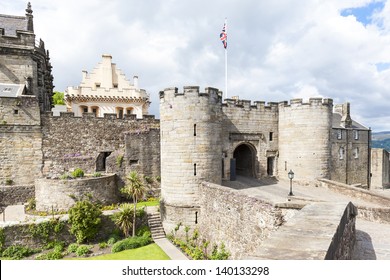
x=223, y=36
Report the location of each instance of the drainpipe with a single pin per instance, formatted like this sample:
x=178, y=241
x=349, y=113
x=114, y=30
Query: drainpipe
x=369, y=158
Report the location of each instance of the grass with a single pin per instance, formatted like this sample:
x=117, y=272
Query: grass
x=148, y=203
x=149, y=252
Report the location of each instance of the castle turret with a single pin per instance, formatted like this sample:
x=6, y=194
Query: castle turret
x=191, y=151
x=304, y=139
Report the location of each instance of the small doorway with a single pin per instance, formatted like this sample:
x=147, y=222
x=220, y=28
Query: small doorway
x=270, y=166
x=101, y=161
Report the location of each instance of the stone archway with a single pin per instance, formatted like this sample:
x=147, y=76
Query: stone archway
x=245, y=155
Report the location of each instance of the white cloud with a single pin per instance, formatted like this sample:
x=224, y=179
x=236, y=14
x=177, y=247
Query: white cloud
x=277, y=50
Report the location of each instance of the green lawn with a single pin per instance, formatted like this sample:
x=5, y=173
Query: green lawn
x=149, y=252
x=148, y=203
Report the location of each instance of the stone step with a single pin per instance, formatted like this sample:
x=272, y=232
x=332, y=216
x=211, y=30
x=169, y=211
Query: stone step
x=155, y=225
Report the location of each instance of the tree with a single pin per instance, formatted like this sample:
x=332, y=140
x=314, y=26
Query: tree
x=136, y=189
x=58, y=98
x=123, y=218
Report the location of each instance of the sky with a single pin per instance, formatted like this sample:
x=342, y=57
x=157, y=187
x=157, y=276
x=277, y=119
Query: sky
x=277, y=50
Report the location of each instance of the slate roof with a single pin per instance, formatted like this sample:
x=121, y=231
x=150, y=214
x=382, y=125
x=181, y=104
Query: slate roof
x=11, y=90
x=337, y=122
x=12, y=23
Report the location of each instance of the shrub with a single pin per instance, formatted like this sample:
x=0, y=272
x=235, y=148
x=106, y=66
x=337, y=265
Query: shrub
x=55, y=254
x=65, y=176
x=83, y=250
x=132, y=243
x=78, y=173
x=72, y=248
x=103, y=245
x=85, y=221
x=31, y=204
x=18, y=252
x=123, y=219
x=97, y=174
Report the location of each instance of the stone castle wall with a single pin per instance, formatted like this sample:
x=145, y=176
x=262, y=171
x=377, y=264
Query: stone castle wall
x=86, y=142
x=20, y=140
x=241, y=222
x=351, y=168
x=60, y=195
x=191, y=150
x=380, y=168
x=304, y=139
x=256, y=125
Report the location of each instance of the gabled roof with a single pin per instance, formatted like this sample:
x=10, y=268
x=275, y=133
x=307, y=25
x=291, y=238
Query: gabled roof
x=11, y=90
x=336, y=122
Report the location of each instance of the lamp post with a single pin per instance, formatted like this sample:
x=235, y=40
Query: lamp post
x=291, y=176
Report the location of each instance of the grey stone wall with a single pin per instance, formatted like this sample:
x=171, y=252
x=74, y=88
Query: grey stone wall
x=20, y=234
x=380, y=168
x=241, y=222
x=353, y=167
x=20, y=140
x=343, y=241
x=72, y=142
x=57, y=194
x=191, y=149
x=13, y=195
x=304, y=139
x=244, y=123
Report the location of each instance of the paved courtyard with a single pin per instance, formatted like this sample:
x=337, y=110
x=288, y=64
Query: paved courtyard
x=373, y=238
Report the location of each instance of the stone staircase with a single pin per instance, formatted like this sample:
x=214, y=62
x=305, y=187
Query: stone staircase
x=155, y=225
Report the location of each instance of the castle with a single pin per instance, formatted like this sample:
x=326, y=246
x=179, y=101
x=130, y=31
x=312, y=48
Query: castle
x=199, y=137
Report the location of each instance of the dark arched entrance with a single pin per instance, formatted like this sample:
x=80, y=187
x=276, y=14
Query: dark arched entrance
x=245, y=160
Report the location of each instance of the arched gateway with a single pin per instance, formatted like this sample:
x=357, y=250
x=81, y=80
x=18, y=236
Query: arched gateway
x=245, y=155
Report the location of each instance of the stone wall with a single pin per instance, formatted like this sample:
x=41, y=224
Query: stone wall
x=20, y=140
x=304, y=139
x=255, y=125
x=353, y=166
x=191, y=150
x=20, y=234
x=241, y=222
x=72, y=142
x=13, y=195
x=380, y=168
x=356, y=192
x=343, y=241
x=57, y=194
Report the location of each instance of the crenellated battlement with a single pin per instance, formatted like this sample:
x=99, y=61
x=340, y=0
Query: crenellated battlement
x=247, y=105
x=298, y=102
x=192, y=92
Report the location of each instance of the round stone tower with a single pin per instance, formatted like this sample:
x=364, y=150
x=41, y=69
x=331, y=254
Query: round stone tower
x=191, y=151
x=304, y=139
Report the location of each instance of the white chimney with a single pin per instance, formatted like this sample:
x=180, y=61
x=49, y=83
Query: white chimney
x=135, y=81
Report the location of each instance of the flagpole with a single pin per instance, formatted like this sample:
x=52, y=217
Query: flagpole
x=226, y=75
x=226, y=69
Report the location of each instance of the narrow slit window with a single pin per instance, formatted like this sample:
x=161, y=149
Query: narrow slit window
x=194, y=169
x=194, y=129
x=196, y=218
x=271, y=135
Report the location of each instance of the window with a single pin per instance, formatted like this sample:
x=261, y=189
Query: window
x=97, y=85
x=339, y=134
x=194, y=129
x=85, y=109
x=341, y=153
x=115, y=85
x=7, y=89
x=356, y=134
x=271, y=134
x=356, y=153
x=16, y=112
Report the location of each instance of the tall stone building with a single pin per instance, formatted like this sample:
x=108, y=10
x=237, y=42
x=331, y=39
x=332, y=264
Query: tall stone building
x=23, y=59
x=107, y=91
